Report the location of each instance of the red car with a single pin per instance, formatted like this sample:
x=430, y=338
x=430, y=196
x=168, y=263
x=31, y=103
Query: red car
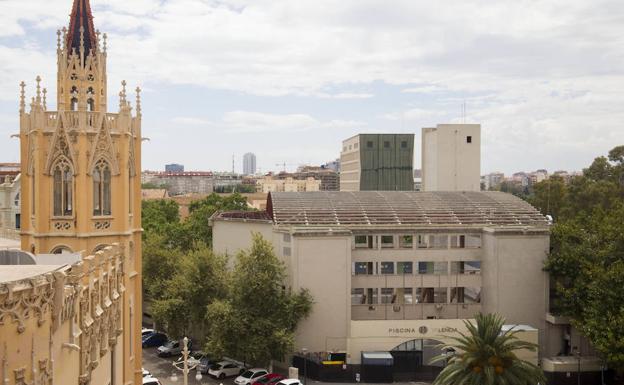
x=269, y=379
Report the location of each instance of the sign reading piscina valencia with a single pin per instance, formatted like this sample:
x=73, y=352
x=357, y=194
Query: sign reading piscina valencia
x=423, y=330
x=407, y=328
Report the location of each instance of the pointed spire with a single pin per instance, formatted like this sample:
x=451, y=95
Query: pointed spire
x=138, y=100
x=45, y=92
x=22, y=96
x=105, y=47
x=81, y=24
x=38, y=89
x=58, y=40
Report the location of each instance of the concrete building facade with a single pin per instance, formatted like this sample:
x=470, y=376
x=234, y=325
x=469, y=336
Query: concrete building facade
x=81, y=193
x=451, y=158
x=272, y=184
x=387, y=268
x=249, y=164
x=377, y=162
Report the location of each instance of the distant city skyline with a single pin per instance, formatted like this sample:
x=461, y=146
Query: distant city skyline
x=291, y=80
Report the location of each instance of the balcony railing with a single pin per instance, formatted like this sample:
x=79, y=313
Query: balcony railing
x=73, y=119
x=390, y=311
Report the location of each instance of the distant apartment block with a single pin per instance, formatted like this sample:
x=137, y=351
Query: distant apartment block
x=330, y=180
x=377, y=162
x=333, y=165
x=174, y=167
x=493, y=180
x=270, y=184
x=451, y=157
x=249, y=164
x=10, y=213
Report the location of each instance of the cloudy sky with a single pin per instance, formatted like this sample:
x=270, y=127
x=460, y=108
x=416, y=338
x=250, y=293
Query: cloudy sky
x=289, y=80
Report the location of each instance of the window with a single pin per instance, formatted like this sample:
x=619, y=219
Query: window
x=101, y=189
x=63, y=189
x=473, y=241
x=344, y=148
x=369, y=144
x=357, y=296
x=386, y=144
x=32, y=195
x=286, y=252
x=371, y=296
x=61, y=250
x=350, y=147
x=465, y=295
x=74, y=104
x=363, y=268
x=356, y=145
x=387, y=268
x=458, y=241
x=433, y=268
x=404, y=144
x=387, y=241
x=466, y=267
x=405, y=295
x=404, y=267
x=16, y=200
x=90, y=105
x=423, y=241
x=431, y=295
x=286, y=238
x=406, y=241
x=364, y=241
x=469, y=139
x=438, y=241
x=387, y=295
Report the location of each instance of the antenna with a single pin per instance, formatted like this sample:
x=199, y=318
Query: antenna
x=464, y=112
x=233, y=158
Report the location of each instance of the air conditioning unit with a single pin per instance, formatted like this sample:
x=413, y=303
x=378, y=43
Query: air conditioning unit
x=439, y=306
x=396, y=308
x=371, y=308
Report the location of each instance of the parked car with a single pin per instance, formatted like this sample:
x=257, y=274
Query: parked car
x=193, y=359
x=269, y=379
x=172, y=348
x=204, y=364
x=225, y=369
x=154, y=339
x=151, y=381
x=289, y=381
x=145, y=332
x=250, y=375
x=146, y=373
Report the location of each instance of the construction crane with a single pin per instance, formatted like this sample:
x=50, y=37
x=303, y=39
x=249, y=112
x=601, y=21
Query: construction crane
x=284, y=164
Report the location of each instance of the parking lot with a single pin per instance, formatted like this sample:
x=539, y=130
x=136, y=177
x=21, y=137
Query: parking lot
x=162, y=369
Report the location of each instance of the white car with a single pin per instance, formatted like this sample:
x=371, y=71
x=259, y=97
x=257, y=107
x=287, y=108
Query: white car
x=289, y=381
x=250, y=375
x=224, y=369
x=151, y=381
x=146, y=373
x=193, y=360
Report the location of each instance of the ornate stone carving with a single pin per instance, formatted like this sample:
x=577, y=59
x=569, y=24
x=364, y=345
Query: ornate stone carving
x=26, y=298
x=60, y=148
x=103, y=148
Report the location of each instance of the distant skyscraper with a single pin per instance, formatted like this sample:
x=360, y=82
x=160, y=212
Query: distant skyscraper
x=249, y=163
x=174, y=167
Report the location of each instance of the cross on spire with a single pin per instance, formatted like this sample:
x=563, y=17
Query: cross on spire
x=81, y=20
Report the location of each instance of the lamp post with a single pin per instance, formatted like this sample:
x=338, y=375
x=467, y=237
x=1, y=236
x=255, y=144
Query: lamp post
x=305, y=364
x=186, y=368
x=577, y=353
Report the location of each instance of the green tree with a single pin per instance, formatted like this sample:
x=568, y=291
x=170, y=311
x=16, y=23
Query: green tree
x=549, y=196
x=256, y=321
x=156, y=214
x=196, y=282
x=160, y=263
x=487, y=356
x=586, y=263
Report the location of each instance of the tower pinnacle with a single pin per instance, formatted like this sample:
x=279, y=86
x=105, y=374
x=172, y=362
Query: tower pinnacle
x=81, y=21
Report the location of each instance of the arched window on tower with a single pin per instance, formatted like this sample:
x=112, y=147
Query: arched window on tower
x=90, y=105
x=63, y=189
x=101, y=189
x=74, y=104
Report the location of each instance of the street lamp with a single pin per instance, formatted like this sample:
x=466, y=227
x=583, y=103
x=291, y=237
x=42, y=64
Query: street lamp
x=577, y=353
x=305, y=364
x=185, y=369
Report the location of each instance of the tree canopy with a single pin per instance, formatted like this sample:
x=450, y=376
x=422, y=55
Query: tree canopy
x=257, y=319
x=586, y=261
x=487, y=355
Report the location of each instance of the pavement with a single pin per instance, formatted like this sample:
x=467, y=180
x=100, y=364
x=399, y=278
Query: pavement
x=162, y=369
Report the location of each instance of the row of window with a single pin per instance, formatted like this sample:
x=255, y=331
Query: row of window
x=420, y=241
x=422, y=267
x=63, y=187
x=409, y=295
x=371, y=144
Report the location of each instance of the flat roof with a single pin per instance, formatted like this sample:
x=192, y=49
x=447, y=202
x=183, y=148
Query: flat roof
x=341, y=208
x=12, y=273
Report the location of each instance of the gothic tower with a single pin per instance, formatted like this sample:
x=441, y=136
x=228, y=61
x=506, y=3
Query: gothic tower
x=80, y=171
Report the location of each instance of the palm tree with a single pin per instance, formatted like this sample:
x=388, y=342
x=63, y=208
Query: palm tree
x=487, y=356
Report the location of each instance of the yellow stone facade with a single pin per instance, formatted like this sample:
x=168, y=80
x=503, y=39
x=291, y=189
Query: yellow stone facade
x=81, y=193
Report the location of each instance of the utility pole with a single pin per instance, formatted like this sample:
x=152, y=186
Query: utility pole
x=233, y=157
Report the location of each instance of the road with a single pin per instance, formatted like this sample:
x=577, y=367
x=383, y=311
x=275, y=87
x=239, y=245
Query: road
x=161, y=368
